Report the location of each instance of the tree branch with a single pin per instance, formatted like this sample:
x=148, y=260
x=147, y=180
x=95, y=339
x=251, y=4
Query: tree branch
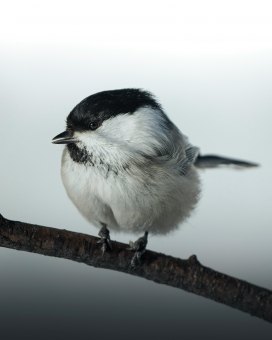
x=188, y=275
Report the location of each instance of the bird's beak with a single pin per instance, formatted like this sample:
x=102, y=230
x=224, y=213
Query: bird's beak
x=63, y=138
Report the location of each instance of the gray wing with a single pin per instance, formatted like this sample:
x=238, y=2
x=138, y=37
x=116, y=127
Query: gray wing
x=191, y=153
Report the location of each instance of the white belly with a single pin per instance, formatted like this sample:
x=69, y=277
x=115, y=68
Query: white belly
x=126, y=203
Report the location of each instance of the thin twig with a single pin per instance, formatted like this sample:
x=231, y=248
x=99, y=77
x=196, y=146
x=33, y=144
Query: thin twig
x=188, y=275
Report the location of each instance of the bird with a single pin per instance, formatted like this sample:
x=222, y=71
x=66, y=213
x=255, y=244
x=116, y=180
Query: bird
x=127, y=167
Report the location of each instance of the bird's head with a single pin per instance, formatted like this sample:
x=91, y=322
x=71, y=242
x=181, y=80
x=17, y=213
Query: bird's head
x=127, y=120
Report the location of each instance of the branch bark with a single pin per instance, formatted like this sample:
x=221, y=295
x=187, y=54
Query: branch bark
x=188, y=275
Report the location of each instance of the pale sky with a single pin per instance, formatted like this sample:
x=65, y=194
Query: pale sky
x=186, y=27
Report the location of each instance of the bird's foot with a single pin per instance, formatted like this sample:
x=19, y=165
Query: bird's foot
x=104, y=233
x=139, y=246
x=136, y=258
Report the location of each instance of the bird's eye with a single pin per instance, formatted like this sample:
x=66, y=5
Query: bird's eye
x=93, y=125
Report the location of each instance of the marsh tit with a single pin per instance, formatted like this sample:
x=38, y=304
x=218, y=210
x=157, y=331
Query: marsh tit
x=127, y=167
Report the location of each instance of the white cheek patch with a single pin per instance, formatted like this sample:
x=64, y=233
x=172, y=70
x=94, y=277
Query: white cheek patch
x=87, y=139
x=123, y=136
x=140, y=131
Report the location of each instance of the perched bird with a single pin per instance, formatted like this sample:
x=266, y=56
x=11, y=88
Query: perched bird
x=127, y=167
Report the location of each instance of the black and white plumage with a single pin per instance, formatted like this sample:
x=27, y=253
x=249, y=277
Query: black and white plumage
x=126, y=165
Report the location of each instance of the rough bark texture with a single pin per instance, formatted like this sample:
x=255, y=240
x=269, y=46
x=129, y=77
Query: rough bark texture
x=188, y=275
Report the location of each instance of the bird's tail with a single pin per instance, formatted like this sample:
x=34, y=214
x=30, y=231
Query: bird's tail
x=212, y=161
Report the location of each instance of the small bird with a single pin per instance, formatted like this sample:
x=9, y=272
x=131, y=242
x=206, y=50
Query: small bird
x=128, y=168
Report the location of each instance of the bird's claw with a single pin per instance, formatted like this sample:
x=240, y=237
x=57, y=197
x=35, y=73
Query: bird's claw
x=104, y=233
x=136, y=258
x=139, y=246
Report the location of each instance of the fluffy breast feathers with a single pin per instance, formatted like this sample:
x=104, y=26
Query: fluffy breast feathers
x=138, y=173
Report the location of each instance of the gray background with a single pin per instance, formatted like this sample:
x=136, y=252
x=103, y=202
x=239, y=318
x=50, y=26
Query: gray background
x=210, y=67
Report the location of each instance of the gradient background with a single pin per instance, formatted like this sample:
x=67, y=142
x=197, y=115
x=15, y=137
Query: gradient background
x=209, y=64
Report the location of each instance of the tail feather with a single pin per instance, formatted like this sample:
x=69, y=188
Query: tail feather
x=212, y=161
